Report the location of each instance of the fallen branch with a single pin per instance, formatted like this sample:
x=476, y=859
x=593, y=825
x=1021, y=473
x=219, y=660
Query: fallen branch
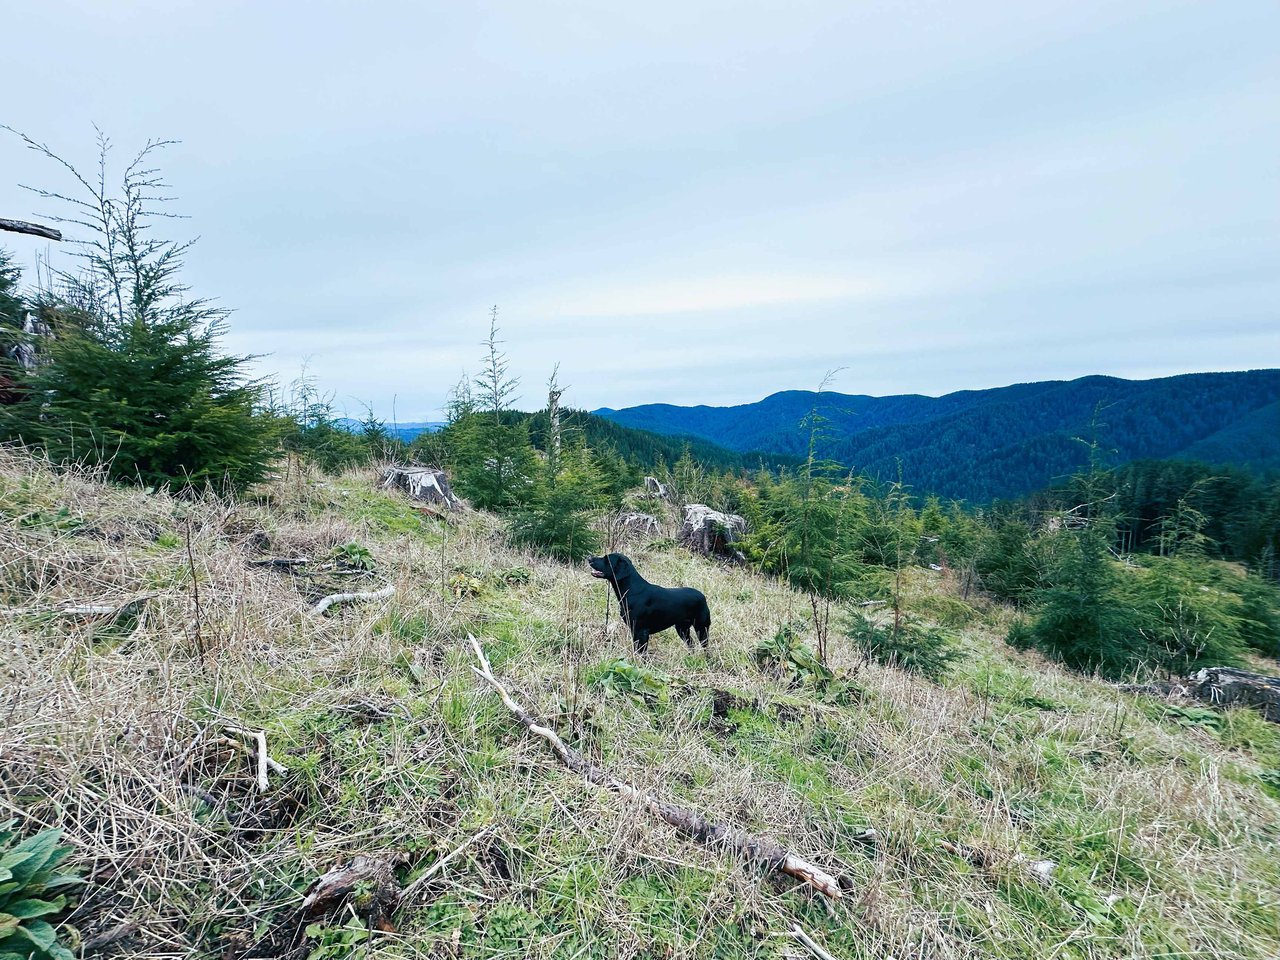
x=685, y=821
x=280, y=562
x=35, y=229
x=333, y=598
x=84, y=610
x=440, y=864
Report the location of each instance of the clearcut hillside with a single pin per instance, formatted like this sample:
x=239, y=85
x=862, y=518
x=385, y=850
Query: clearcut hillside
x=1160, y=823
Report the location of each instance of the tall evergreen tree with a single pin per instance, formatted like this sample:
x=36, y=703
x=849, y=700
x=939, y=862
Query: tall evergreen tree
x=139, y=384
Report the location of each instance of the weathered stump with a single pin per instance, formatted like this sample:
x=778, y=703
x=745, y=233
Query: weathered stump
x=1223, y=686
x=653, y=486
x=708, y=531
x=422, y=483
x=640, y=523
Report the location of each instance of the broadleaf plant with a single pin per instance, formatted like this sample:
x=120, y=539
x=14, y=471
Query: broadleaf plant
x=30, y=890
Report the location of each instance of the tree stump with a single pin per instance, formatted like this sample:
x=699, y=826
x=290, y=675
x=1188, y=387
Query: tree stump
x=1224, y=686
x=422, y=483
x=709, y=532
x=653, y=486
x=640, y=523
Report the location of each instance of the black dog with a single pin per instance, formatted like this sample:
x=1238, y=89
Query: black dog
x=647, y=608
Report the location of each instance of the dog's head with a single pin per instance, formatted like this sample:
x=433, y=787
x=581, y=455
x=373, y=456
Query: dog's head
x=613, y=567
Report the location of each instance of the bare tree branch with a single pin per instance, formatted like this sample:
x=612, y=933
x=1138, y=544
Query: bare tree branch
x=35, y=229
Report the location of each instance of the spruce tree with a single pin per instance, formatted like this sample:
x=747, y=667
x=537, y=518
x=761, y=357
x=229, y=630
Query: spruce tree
x=555, y=519
x=494, y=462
x=136, y=382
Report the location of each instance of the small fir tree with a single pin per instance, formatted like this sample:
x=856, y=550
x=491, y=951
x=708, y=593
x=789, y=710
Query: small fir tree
x=139, y=384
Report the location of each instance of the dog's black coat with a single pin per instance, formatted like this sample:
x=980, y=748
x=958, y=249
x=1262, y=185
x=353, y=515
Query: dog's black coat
x=647, y=608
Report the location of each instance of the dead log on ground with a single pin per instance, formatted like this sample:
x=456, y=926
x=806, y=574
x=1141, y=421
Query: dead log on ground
x=685, y=821
x=372, y=879
x=85, y=611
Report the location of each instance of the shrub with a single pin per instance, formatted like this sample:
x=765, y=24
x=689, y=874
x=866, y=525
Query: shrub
x=555, y=521
x=1183, y=622
x=31, y=890
x=134, y=379
x=1005, y=561
x=555, y=524
x=909, y=646
x=1099, y=616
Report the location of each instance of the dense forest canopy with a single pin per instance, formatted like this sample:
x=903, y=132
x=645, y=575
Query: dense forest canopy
x=979, y=445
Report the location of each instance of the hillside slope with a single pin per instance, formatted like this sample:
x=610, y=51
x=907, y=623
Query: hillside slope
x=1163, y=838
x=984, y=444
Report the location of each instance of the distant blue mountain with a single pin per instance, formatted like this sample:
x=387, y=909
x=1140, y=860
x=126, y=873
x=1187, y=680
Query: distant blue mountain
x=405, y=431
x=984, y=444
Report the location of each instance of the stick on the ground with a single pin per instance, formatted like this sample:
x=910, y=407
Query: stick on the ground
x=685, y=821
x=809, y=943
x=35, y=229
x=333, y=598
x=440, y=864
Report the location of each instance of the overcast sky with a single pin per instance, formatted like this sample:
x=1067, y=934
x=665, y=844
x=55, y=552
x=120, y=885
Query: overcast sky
x=693, y=201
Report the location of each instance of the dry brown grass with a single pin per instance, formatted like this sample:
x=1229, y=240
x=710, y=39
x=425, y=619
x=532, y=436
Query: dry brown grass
x=115, y=733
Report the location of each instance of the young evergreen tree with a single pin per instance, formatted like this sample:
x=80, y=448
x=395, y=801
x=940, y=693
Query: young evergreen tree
x=377, y=438
x=494, y=462
x=309, y=428
x=11, y=301
x=141, y=385
x=555, y=520
x=804, y=528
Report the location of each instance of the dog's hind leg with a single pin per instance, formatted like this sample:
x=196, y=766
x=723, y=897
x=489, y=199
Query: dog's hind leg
x=683, y=630
x=704, y=627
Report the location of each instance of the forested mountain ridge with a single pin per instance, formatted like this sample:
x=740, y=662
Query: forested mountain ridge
x=1003, y=442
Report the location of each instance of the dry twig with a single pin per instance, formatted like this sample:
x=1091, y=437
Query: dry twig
x=264, y=761
x=685, y=821
x=810, y=944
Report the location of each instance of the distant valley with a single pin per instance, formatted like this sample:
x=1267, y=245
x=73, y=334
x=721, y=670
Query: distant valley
x=980, y=445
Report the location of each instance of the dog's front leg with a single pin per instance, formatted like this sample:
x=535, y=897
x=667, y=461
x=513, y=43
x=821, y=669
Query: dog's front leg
x=640, y=638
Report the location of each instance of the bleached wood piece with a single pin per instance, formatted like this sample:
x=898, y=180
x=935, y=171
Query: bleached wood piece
x=264, y=760
x=326, y=602
x=87, y=610
x=809, y=943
